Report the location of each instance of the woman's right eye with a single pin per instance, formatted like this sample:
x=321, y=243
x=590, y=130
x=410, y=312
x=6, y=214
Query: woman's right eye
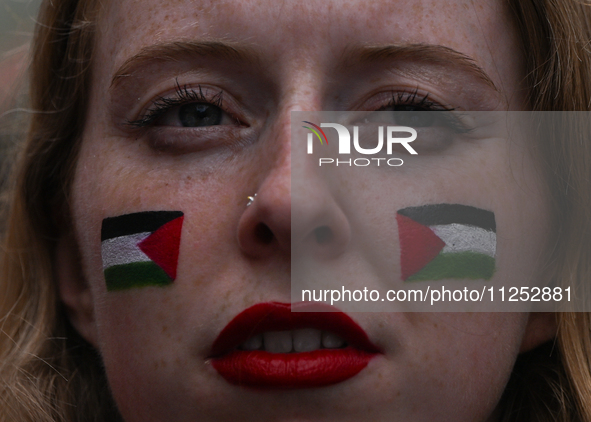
x=190, y=119
x=187, y=108
x=193, y=115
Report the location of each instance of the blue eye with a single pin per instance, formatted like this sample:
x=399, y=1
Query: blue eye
x=189, y=108
x=411, y=109
x=437, y=126
x=199, y=115
x=192, y=119
x=413, y=116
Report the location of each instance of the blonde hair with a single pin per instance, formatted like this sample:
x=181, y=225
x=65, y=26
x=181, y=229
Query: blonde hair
x=556, y=36
x=49, y=373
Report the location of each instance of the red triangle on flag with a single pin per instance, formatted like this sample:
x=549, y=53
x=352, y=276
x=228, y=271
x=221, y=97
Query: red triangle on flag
x=418, y=245
x=162, y=246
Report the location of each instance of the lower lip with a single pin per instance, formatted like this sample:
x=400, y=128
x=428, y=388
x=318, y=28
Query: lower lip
x=318, y=368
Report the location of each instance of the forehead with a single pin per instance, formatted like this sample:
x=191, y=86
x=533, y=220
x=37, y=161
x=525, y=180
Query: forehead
x=311, y=32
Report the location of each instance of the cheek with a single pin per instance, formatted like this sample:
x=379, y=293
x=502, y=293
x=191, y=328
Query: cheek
x=120, y=178
x=149, y=337
x=117, y=176
x=144, y=352
x=463, y=359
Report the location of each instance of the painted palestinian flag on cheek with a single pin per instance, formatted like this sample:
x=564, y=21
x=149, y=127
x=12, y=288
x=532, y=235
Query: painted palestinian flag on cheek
x=141, y=249
x=446, y=241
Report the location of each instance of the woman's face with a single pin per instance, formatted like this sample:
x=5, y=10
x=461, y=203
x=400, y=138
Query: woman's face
x=190, y=111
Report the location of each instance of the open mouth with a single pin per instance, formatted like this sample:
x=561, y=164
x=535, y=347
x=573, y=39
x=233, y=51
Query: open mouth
x=269, y=346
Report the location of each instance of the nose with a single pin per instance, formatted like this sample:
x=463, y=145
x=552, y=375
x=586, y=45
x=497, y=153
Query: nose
x=295, y=210
x=264, y=228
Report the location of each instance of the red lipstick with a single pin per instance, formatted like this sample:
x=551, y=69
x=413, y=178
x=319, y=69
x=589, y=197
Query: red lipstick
x=317, y=368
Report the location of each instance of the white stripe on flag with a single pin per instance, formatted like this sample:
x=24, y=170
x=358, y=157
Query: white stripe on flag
x=464, y=238
x=123, y=250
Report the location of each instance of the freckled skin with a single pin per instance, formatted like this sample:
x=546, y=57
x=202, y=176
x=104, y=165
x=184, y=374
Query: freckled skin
x=155, y=342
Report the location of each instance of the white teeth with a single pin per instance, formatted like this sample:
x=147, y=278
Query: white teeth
x=302, y=340
x=306, y=340
x=253, y=343
x=331, y=341
x=278, y=341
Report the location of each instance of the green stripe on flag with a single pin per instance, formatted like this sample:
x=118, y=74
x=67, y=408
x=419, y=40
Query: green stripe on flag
x=457, y=265
x=136, y=274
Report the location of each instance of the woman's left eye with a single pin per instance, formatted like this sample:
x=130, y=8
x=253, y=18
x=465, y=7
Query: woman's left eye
x=437, y=126
x=417, y=111
x=413, y=116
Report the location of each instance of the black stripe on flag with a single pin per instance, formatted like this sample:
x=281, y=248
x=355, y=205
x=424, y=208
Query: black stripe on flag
x=439, y=214
x=138, y=222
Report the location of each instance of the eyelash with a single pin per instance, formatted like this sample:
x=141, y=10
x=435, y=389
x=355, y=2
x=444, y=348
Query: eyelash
x=186, y=95
x=424, y=103
x=183, y=95
x=415, y=100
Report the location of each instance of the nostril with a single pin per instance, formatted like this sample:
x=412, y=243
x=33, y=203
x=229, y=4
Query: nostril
x=323, y=234
x=263, y=233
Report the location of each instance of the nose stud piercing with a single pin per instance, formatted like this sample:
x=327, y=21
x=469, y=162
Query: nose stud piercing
x=251, y=200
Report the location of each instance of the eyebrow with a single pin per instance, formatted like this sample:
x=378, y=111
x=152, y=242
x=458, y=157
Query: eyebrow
x=177, y=50
x=430, y=53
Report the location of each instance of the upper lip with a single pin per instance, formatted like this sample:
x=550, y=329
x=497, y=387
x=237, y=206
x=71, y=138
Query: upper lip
x=276, y=316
